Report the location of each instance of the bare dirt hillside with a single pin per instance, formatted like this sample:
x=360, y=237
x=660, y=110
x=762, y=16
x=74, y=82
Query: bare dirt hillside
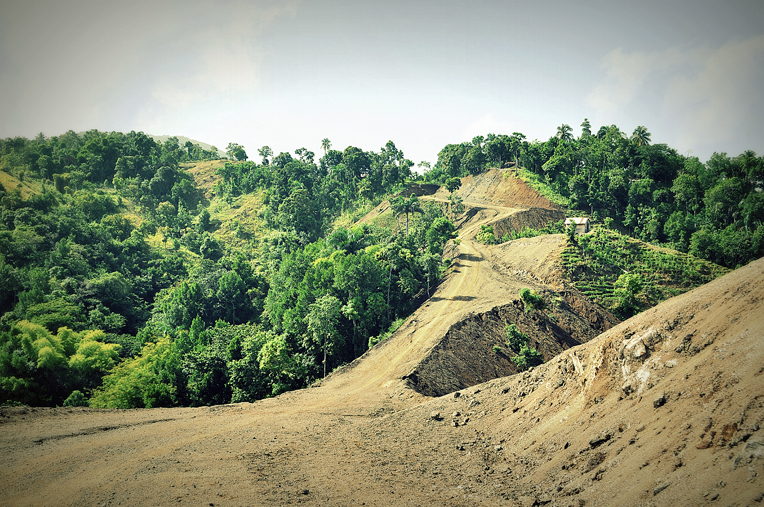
x=499, y=188
x=494, y=197
x=666, y=408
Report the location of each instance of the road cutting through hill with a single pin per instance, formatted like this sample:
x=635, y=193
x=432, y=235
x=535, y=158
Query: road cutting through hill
x=129, y=457
x=469, y=288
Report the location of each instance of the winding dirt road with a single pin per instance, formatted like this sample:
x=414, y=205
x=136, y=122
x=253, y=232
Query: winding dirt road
x=205, y=455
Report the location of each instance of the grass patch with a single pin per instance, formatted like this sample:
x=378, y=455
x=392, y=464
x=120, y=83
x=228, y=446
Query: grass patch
x=539, y=185
x=351, y=216
x=204, y=173
x=239, y=221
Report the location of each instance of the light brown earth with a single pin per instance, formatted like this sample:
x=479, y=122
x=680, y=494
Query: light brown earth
x=664, y=409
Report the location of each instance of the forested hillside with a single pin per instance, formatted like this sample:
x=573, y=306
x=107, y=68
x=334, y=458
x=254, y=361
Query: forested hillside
x=125, y=284
x=713, y=210
x=120, y=289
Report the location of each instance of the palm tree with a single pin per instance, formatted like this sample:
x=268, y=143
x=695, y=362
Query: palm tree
x=586, y=128
x=565, y=132
x=403, y=206
x=326, y=144
x=396, y=206
x=411, y=205
x=641, y=136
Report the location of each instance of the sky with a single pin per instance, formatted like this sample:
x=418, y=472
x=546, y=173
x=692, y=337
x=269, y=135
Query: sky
x=422, y=73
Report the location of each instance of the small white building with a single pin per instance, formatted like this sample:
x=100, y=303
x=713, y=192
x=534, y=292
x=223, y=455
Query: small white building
x=582, y=224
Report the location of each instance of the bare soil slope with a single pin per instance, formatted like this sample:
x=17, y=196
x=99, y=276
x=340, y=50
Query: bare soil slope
x=664, y=409
x=499, y=188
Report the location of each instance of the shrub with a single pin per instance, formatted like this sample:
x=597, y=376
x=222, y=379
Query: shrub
x=76, y=399
x=486, y=235
x=571, y=233
x=527, y=358
x=373, y=340
x=516, y=339
x=532, y=300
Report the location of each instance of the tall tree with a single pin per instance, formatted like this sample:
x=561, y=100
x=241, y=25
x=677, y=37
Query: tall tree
x=586, y=128
x=453, y=184
x=266, y=153
x=409, y=206
x=640, y=136
x=326, y=144
x=565, y=132
x=322, y=323
x=236, y=152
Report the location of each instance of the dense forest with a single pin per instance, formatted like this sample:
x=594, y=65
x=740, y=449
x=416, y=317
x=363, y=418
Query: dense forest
x=119, y=288
x=118, y=291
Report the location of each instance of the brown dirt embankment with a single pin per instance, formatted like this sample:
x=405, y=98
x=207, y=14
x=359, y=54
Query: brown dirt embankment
x=466, y=355
x=499, y=188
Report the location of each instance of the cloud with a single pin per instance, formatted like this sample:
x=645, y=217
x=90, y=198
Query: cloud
x=721, y=101
x=219, y=59
x=61, y=62
x=123, y=65
x=626, y=75
x=705, y=96
x=487, y=124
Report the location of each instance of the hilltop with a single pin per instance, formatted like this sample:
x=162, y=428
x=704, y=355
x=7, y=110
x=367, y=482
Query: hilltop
x=664, y=408
x=182, y=140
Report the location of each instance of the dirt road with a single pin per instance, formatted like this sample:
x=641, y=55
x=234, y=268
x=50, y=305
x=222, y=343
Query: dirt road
x=208, y=455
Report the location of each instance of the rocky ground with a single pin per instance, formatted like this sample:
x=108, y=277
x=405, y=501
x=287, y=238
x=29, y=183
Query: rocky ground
x=666, y=408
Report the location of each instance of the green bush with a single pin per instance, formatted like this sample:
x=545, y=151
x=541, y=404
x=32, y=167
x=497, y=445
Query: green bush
x=516, y=339
x=373, y=340
x=570, y=232
x=527, y=358
x=528, y=232
x=76, y=399
x=532, y=300
x=486, y=235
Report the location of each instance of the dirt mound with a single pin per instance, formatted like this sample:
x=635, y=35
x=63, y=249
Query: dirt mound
x=664, y=409
x=506, y=220
x=499, y=188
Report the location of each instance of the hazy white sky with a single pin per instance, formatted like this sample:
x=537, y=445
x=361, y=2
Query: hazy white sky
x=422, y=73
